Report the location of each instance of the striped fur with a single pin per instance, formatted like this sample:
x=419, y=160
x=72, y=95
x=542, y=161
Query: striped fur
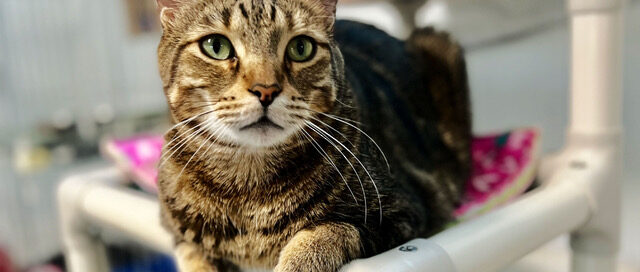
x=317, y=192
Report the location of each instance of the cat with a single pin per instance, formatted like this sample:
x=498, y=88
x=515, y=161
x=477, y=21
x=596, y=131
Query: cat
x=301, y=142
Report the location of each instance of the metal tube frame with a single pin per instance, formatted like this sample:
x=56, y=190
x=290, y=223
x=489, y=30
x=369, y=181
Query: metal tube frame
x=580, y=193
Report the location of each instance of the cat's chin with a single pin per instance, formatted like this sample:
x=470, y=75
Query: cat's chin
x=262, y=135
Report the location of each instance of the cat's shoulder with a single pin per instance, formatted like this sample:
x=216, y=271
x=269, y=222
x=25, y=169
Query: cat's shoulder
x=346, y=28
x=364, y=36
x=366, y=44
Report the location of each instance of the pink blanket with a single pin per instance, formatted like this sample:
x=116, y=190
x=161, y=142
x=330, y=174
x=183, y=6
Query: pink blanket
x=504, y=166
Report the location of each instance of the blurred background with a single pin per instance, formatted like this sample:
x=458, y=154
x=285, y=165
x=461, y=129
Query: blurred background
x=76, y=72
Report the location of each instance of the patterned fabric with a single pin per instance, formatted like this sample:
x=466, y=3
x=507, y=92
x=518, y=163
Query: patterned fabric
x=138, y=157
x=504, y=166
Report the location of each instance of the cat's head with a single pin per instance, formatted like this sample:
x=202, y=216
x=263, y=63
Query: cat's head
x=252, y=70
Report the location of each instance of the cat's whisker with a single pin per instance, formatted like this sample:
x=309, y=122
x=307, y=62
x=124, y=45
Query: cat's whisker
x=183, y=142
x=205, y=102
x=345, y=121
x=203, y=106
x=342, y=103
x=365, y=134
x=322, y=17
x=207, y=126
x=221, y=129
x=326, y=157
x=179, y=135
x=188, y=120
x=208, y=100
x=197, y=104
x=210, y=124
x=298, y=133
x=364, y=195
x=358, y=160
x=332, y=128
x=334, y=116
x=182, y=123
x=340, y=118
x=230, y=107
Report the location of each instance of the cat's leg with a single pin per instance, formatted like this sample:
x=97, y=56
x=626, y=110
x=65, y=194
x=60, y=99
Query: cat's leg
x=321, y=248
x=189, y=258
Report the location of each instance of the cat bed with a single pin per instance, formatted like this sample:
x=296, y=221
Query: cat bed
x=504, y=166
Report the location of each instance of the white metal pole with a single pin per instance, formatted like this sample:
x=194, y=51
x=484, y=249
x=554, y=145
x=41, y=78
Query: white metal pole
x=83, y=249
x=495, y=240
x=596, y=96
x=93, y=201
x=596, y=123
x=133, y=213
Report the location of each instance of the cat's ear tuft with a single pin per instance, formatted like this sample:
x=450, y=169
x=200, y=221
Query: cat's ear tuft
x=166, y=9
x=330, y=6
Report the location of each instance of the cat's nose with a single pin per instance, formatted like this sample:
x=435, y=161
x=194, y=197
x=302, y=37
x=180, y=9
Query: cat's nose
x=266, y=93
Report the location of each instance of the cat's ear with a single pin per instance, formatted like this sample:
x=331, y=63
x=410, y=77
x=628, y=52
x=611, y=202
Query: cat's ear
x=166, y=9
x=330, y=6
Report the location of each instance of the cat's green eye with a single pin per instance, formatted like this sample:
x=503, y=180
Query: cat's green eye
x=301, y=48
x=217, y=47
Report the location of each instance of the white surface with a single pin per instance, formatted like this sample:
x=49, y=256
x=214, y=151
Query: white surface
x=596, y=73
x=554, y=257
x=596, y=124
x=417, y=255
x=121, y=208
x=83, y=250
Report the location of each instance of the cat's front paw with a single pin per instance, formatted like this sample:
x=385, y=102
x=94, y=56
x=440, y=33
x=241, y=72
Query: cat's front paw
x=308, y=258
x=189, y=259
x=323, y=248
x=196, y=268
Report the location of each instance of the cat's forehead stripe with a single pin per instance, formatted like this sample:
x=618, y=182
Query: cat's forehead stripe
x=226, y=17
x=274, y=38
x=273, y=12
x=244, y=11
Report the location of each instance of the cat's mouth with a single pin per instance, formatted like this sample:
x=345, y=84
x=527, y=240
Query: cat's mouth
x=265, y=131
x=263, y=123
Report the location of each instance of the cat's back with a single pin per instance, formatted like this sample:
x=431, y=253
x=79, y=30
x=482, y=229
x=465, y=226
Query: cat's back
x=369, y=50
x=392, y=92
x=409, y=99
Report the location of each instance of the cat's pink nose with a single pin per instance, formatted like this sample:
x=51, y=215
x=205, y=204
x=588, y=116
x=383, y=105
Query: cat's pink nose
x=265, y=93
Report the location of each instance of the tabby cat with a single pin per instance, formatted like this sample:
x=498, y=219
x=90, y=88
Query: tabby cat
x=301, y=142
